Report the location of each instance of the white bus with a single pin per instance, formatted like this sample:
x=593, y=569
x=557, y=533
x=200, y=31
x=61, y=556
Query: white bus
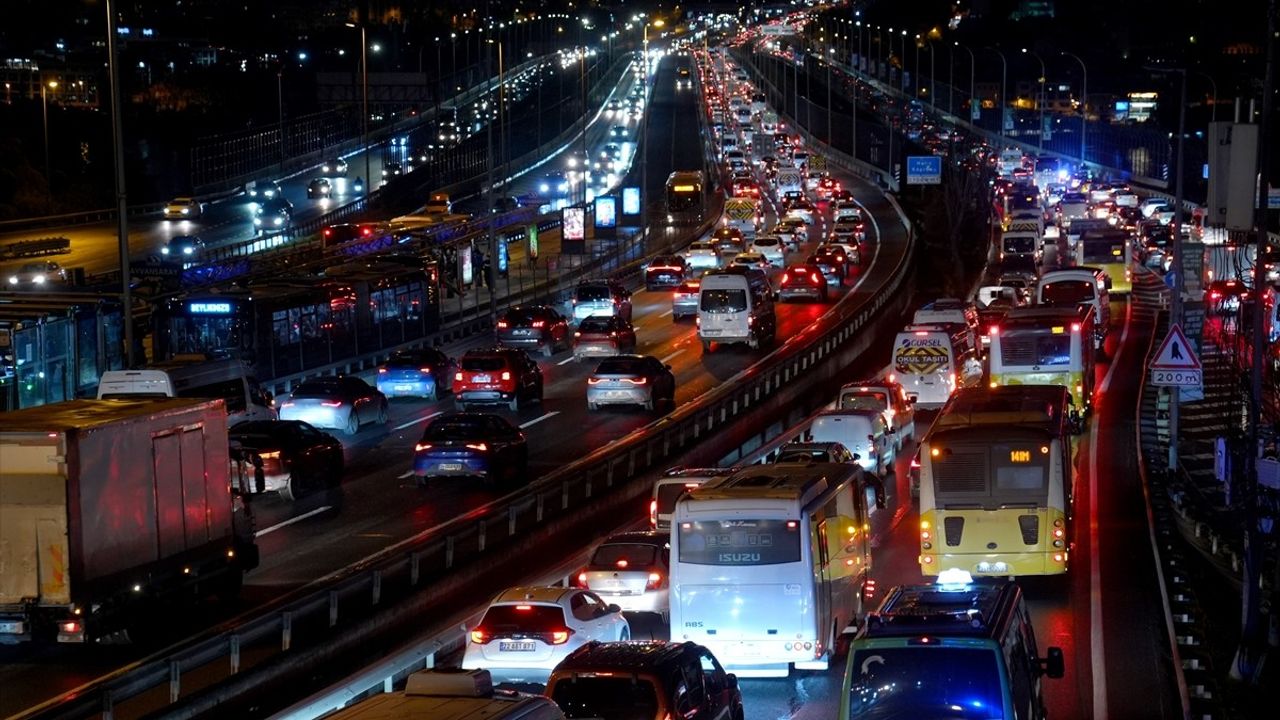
x=770, y=566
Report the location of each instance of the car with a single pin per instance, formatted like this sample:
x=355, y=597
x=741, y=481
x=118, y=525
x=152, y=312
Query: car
x=771, y=247
x=496, y=376
x=802, y=210
x=751, y=260
x=471, y=444
x=857, y=229
x=183, y=246
x=792, y=231
x=745, y=188
x=539, y=327
x=297, y=459
x=842, y=195
x=346, y=232
x=333, y=167
x=803, y=281
x=1226, y=296
x=554, y=185
x=831, y=261
x=852, y=250
x=827, y=186
x=423, y=373
x=684, y=301
x=632, y=570
x=392, y=168
x=341, y=402
x=649, y=680
x=631, y=380
x=728, y=239
x=183, y=208
x=526, y=631
x=665, y=271
x=439, y=203
x=603, y=336
x=618, y=133
x=593, y=298
x=37, y=274
x=319, y=188
x=813, y=452
x=273, y=215
x=702, y=255
x=846, y=210
x=886, y=396
x=264, y=189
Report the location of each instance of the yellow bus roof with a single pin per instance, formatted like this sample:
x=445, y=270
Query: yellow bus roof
x=1041, y=405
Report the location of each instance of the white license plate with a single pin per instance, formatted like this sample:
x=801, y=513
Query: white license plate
x=522, y=332
x=516, y=646
x=452, y=467
x=13, y=627
x=993, y=567
x=481, y=378
x=404, y=388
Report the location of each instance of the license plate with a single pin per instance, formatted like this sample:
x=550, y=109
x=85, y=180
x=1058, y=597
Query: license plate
x=613, y=583
x=522, y=332
x=404, y=388
x=481, y=378
x=993, y=567
x=450, y=466
x=710, y=333
x=516, y=646
x=13, y=627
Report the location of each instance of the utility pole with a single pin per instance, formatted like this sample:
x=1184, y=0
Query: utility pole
x=122, y=205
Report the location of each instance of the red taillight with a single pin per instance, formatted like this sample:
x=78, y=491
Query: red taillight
x=636, y=381
x=786, y=279
x=594, y=381
x=336, y=403
x=422, y=446
x=655, y=581
x=366, y=231
x=506, y=375
x=328, y=232
x=457, y=377
x=481, y=447
x=580, y=579
x=425, y=370
x=816, y=278
x=653, y=513
x=539, y=323
x=502, y=324
x=560, y=637
x=993, y=330
x=1215, y=295
x=915, y=463
x=70, y=627
x=480, y=637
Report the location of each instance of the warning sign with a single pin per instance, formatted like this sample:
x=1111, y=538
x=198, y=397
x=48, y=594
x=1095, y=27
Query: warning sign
x=920, y=359
x=740, y=209
x=817, y=163
x=1175, y=364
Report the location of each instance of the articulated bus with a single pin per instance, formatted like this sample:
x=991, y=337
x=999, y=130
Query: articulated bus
x=1046, y=345
x=1112, y=252
x=996, y=480
x=770, y=566
x=686, y=196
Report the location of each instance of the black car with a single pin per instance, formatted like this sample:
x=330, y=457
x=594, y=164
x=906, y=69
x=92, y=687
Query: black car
x=319, y=188
x=296, y=458
x=333, y=167
x=471, y=444
x=831, y=261
x=535, y=327
x=392, y=169
x=265, y=190
x=666, y=271
x=275, y=215
x=182, y=247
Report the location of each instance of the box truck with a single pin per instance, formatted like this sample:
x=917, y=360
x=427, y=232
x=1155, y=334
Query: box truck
x=110, y=509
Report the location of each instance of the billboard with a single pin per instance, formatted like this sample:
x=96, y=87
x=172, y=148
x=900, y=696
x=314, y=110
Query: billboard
x=574, y=222
x=631, y=201
x=606, y=211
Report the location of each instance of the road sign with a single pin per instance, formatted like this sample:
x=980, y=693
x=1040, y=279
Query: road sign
x=924, y=170
x=1178, y=378
x=740, y=208
x=1175, y=353
x=817, y=163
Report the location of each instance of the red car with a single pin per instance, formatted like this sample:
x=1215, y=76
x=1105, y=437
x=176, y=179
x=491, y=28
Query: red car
x=499, y=376
x=803, y=281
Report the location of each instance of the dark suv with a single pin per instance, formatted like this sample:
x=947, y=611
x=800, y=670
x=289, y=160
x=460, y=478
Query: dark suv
x=666, y=271
x=635, y=680
x=601, y=297
x=498, y=376
x=533, y=326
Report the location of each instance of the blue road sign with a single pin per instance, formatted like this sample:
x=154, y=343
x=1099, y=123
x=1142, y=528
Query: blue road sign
x=924, y=170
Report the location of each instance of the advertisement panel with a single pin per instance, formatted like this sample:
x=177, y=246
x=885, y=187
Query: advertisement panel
x=573, y=221
x=606, y=211
x=631, y=201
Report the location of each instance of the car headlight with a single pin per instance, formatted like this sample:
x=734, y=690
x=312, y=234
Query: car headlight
x=187, y=250
x=38, y=279
x=13, y=279
x=186, y=211
x=257, y=221
x=544, y=188
x=164, y=251
x=279, y=220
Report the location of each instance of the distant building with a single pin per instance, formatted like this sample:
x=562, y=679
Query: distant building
x=1028, y=9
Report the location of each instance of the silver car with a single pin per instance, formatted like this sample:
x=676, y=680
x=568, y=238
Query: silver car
x=344, y=402
x=631, y=380
x=684, y=301
x=631, y=569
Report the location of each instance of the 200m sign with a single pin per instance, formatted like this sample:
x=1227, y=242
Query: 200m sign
x=1177, y=378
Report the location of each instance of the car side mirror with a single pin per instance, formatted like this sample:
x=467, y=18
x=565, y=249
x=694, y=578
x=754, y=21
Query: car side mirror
x=614, y=608
x=667, y=366
x=855, y=456
x=731, y=680
x=1053, y=665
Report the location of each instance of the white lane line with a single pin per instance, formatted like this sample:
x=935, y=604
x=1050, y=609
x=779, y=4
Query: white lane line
x=291, y=521
x=567, y=360
x=879, y=242
x=537, y=420
x=668, y=358
x=423, y=419
x=406, y=474
x=1097, y=656
x=665, y=314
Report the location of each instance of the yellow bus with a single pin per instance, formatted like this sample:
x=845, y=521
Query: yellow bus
x=996, y=481
x=1112, y=252
x=1046, y=345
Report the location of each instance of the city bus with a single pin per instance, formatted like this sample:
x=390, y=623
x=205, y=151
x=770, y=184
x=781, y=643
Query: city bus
x=1046, y=345
x=685, y=197
x=770, y=566
x=996, y=481
x=1110, y=251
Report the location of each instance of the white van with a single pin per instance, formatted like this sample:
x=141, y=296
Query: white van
x=950, y=311
x=735, y=305
x=863, y=431
x=931, y=361
x=450, y=695
x=1074, y=286
x=194, y=377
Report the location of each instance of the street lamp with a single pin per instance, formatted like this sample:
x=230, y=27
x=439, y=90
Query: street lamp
x=44, y=105
x=658, y=23
x=902, y=76
x=1004, y=76
x=1084, y=102
x=1039, y=102
x=1214, y=86
x=364, y=115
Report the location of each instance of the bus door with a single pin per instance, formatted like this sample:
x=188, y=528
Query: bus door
x=820, y=535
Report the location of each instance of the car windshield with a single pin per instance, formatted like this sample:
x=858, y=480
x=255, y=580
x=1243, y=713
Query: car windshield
x=521, y=316
x=921, y=681
x=723, y=301
x=617, y=698
x=800, y=455
x=624, y=555
x=1019, y=244
x=864, y=401
x=668, y=494
x=591, y=293
x=1067, y=292
x=595, y=325
x=524, y=617
x=621, y=366
x=456, y=428
x=483, y=363
x=310, y=389
x=405, y=359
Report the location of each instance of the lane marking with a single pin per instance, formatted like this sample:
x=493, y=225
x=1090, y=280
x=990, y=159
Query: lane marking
x=879, y=242
x=423, y=419
x=535, y=421
x=667, y=359
x=406, y=474
x=1097, y=656
x=291, y=521
x=665, y=314
x=567, y=360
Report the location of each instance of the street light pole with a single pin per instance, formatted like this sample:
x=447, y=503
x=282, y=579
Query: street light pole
x=1004, y=77
x=364, y=116
x=1084, y=102
x=280, y=115
x=902, y=75
x=44, y=105
x=1040, y=102
x=122, y=207
x=1214, y=85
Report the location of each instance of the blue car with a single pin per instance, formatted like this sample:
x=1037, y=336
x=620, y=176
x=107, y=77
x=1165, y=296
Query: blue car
x=423, y=373
x=467, y=444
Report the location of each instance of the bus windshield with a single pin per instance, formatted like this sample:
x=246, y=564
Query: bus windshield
x=936, y=682
x=724, y=301
x=1102, y=250
x=1022, y=244
x=740, y=542
x=1035, y=347
x=1002, y=472
x=1067, y=292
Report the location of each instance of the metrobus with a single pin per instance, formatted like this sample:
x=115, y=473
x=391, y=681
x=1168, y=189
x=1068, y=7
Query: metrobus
x=686, y=195
x=1046, y=345
x=1110, y=251
x=770, y=566
x=996, y=482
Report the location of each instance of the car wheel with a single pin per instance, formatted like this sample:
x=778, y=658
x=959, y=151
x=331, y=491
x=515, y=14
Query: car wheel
x=625, y=635
x=421, y=481
x=514, y=404
x=706, y=347
x=293, y=489
x=353, y=423
x=549, y=349
x=461, y=406
x=592, y=407
x=649, y=404
x=382, y=414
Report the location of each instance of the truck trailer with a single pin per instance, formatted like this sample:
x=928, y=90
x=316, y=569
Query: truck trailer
x=112, y=509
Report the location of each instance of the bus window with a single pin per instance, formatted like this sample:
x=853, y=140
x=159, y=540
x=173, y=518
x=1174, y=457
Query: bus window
x=740, y=542
x=1064, y=292
x=724, y=301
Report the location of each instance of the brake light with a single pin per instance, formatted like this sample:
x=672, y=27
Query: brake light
x=636, y=381
x=539, y=323
x=653, y=513
x=457, y=376
x=1075, y=327
x=502, y=324
x=336, y=403
x=425, y=370
x=478, y=446
x=993, y=330
x=422, y=446
x=382, y=371
x=1214, y=295
x=506, y=375
x=594, y=381
x=655, y=581
x=816, y=278
x=786, y=279
x=273, y=455
x=915, y=462
x=560, y=637
x=480, y=637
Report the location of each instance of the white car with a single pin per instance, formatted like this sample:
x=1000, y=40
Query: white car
x=527, y=631
x=802, y=211
x=37, y=275
x=632, y=570
x=702, y=255
x=751, y=260
x=846, y=210
x=182, y=208
x=771, y=247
